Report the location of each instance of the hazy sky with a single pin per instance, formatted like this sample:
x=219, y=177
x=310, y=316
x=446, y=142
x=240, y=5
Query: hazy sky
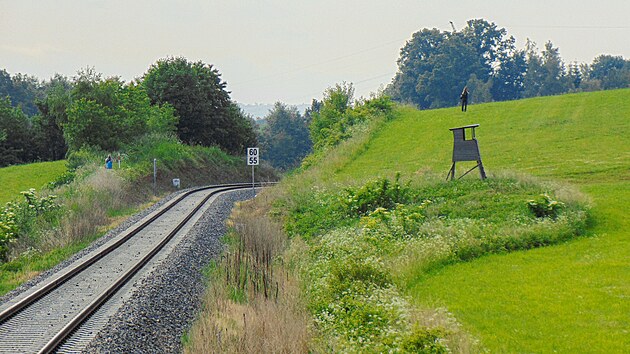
x=282, y=50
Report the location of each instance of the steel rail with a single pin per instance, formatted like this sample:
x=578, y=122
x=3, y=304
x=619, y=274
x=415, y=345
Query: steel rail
x=94, y=305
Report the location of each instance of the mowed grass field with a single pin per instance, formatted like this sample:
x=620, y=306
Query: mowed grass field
x=568, y=298
x=14, y=179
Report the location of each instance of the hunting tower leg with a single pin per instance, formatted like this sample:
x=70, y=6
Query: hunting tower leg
x=482, y=172
x=451, y=173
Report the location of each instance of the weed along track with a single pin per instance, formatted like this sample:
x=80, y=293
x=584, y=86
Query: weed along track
x=63, y=312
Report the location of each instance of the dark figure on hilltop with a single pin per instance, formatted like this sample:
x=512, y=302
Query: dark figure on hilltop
x=464, y=98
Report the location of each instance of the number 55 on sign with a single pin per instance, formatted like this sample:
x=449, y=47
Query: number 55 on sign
x=252, y=156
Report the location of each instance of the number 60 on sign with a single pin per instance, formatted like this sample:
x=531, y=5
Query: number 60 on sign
x=252, y=157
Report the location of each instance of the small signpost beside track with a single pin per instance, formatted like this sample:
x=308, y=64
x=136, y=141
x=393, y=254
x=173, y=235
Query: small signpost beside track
x=253, y=159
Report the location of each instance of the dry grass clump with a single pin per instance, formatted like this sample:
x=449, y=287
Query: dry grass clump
x=259, y=325
x=253, y=304
x=87, y=207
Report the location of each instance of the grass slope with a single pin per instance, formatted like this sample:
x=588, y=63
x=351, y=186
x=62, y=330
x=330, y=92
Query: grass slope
x=15, y=179
x=567, y=298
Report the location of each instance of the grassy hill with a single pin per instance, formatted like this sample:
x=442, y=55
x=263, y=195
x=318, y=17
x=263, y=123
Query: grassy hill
x=15, y=179
x=576, y=138
x=571, y=297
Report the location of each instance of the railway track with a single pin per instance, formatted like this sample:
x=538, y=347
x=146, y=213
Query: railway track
x=41, y=319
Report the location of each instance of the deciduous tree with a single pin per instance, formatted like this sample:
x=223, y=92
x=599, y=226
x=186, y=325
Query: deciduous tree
x=509, y=74
x=434, y=66
x=611, y=71
x=555, y=80
x=206, y=114
x=285, y=138
x=50, y=140
x=107, y=113
x=328, y=126
x=16, y=138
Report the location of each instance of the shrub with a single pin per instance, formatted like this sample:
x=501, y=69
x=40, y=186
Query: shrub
x=545, y=207
x=338, y=117
x=65, y=178
x=425, y=340
x=401, y=222
x=381, y=193
x=84, y=156
x=17, y=218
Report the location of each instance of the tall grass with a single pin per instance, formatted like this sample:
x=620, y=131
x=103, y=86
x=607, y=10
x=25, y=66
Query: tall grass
x=253, y=304
x=88, y=203
x=85, y=205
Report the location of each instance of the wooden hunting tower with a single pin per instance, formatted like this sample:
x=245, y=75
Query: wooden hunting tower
x=466, y=148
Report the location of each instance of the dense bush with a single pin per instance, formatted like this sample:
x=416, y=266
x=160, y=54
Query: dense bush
x=544, y=206
x=63, y=179
x=18, y=218
x=381, y=193
x=338, y=113
x=85, y=155
x=318, y=212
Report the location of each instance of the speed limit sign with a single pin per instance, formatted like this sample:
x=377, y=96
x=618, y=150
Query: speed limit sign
x=252, y=157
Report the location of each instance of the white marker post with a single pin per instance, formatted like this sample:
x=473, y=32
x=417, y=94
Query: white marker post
x=253, y=160
x=155, y=176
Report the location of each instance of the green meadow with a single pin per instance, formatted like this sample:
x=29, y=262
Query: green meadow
x=15, y=179
x=570, y=297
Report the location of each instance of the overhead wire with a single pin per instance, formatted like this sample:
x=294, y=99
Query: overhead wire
x=332, y=60
x=352, y=54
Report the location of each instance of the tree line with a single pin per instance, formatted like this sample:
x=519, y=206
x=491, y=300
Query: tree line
x=435, y=65
x=46, y=120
